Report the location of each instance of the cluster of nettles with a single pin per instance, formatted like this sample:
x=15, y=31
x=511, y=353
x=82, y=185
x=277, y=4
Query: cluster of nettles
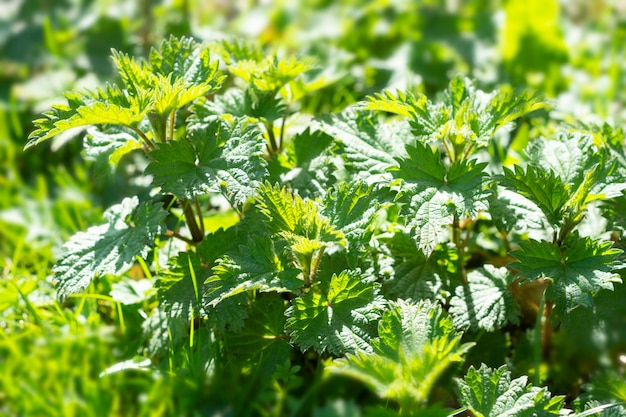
x=377, y=239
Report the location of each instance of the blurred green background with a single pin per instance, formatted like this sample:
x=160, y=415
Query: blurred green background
x=51, y=357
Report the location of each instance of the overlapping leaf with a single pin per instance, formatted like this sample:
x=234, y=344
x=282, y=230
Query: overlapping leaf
x=340, y=319
x=466, y=118
x=352, y=208
x=215, y=157
x=416, y=344
x=491, y=393
x=369, y=147
x=484, y=302
x=577, y=270
x=254, y=266
x=415, y=276
x=262, y=342
x=181, y=287
x=434, y=193
x=110, y=248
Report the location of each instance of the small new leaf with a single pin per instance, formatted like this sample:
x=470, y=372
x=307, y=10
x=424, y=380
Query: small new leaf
x=130, y=230
x=416, y=344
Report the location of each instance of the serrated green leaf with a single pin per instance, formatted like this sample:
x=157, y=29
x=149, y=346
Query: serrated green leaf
x=416, y=344
x=287, y=213
x=109, y=248
x=183, y=58
x=352, y=209
x=311, y=168
x=136, y=75
x=64, y=118
x=415, y=277
x=112, y=142
x=338, y=320
x=466, y=119
x=369, y=147
x=174, y=94
x=491, y=393
x=215, y=157
x=511, y=211
x=434, y=194
x=541, y=187
x=254, y=266
x=484, y=302
x=403, y=104
x=262, y=342
x=577, y=271
x=181, y=286
x=163, y=333
x=271, y=74
x=563, y=156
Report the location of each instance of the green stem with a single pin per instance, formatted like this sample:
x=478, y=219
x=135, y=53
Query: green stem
x=272, y=138
x=172, y=123
x=456, y=239
x=537, y=342
x=144, y=138
x=315, y=265
x=282, y=132
x=192, y=222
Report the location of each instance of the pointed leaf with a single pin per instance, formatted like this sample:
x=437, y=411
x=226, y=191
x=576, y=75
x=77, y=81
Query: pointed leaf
x=338, y=320
x=484, y=302
x=216, y=157
x=491, y=393
x=254, y=266
x=109, y=248
x=577, y=271
x=416, y=345
x=369, y=147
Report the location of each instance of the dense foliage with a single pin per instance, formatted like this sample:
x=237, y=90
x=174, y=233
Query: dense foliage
x=321, y=242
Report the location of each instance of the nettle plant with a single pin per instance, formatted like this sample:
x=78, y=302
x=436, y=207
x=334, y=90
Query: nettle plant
x=383, y=243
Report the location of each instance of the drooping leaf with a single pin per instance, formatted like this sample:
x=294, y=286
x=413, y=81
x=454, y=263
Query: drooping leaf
x=129, y=231
x=79, y=113
x=491, y=393
x=215, y=157
x=338, y=319
x=484, y=302
x=577, y=271
x=416, y=344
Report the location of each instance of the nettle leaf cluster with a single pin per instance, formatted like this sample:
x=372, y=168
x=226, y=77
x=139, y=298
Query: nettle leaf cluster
x=381, y=242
